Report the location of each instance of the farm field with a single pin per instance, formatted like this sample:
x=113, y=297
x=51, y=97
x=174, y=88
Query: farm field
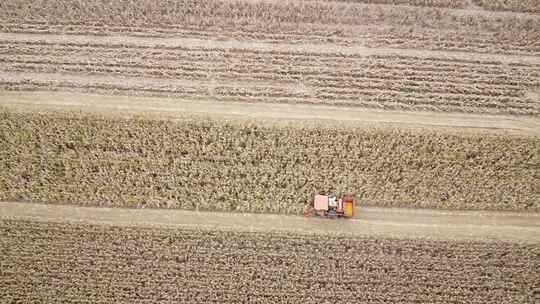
x=56, y=253
x=338, y=60
x=186, y=160
x=423, y=104
x=74, y=263
x=158, y=151
x=344, y=53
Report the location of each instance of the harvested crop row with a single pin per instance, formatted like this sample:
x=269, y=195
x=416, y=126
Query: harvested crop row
x=339, y=35
x=43, y=262
x=267, y=65
x=369, y=94
x=238, y=166
x=526, y=6
x=489, y=85
x=431, y=3
x=340, y=23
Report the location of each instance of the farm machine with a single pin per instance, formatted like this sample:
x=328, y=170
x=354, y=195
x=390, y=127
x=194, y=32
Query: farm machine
x=329, y=206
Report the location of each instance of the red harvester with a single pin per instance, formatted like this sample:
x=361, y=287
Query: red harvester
x=329, y=206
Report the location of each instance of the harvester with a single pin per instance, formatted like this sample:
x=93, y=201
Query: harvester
x=329, y=206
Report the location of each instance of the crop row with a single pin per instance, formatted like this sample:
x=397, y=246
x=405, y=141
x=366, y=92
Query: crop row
x=369, y=98
x=340, y=23
x=312, y=78
x=178, y=13
x=385, y=37
x=502, y=43
x=268, y=62
x=526, y=6
x=229, y=166
x=44, y=262
x=431, y=3
x=387, y=81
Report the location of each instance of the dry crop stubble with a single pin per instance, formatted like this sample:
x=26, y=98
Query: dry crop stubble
x=211, y=164
x=526, y=6
x=255, y=75
x=343, y=23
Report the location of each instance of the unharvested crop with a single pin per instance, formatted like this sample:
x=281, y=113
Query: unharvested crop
x=239, y=166
x=53, y=262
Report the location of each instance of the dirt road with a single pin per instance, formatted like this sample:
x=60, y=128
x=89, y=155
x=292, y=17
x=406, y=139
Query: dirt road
x=391, y=222
x=175, y=107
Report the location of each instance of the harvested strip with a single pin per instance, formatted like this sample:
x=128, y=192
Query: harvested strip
x=123, y=41
x=314, y=21
x=262, y=72
x=402, y=96
x=269, y=114
x=526, y=6
x=278, y=114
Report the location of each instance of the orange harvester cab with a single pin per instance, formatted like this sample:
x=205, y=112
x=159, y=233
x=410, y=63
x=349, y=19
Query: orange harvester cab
x=348, y=206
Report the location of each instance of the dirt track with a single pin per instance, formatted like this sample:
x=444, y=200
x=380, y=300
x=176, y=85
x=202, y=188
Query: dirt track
x=390, y=222
x=272, y=113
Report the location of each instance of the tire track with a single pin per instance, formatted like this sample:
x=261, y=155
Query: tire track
x=397, y=223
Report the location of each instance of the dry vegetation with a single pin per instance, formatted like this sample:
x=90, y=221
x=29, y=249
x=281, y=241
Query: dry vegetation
x=435, y=55
x=316, y=52
x=340, y=23
x=216, y=165
x=526, y=6
x=237, y=74
x=47, y=262
x=430, y=3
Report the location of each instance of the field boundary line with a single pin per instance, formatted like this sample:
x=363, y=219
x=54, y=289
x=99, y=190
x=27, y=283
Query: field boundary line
x=290, y=114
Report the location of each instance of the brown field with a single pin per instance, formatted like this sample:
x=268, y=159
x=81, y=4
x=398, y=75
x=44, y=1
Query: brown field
x=411, y=56
x=255, y=106
x=527, y=6
x=92, y=159
x=346, y=53
x=438, y=57
x=60, y=262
